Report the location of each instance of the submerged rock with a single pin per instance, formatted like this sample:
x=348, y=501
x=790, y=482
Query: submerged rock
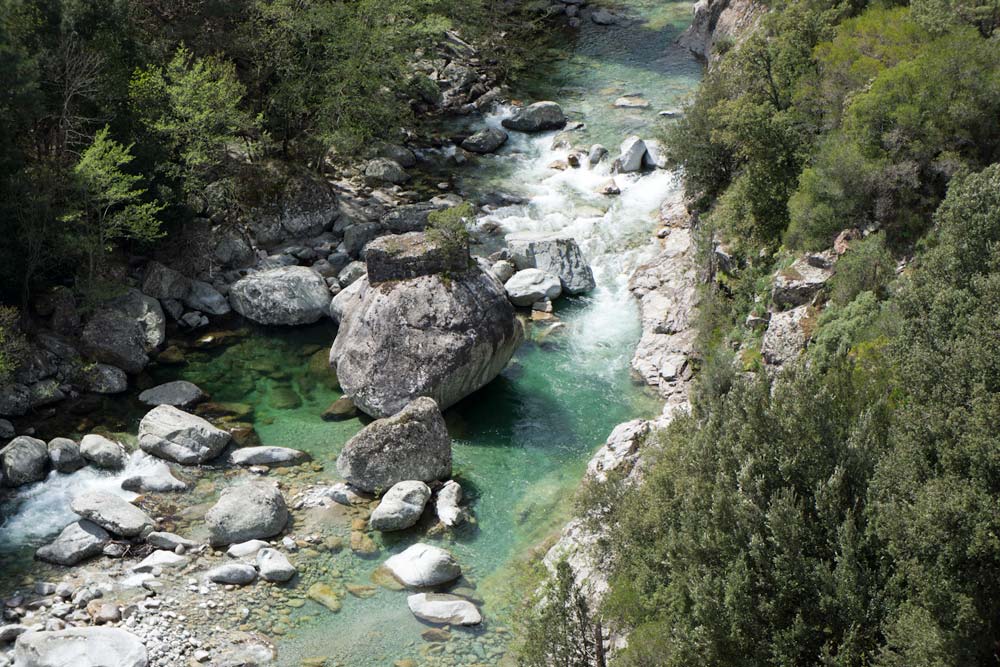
x=536, y=117
x=172, y=434
x=444, y=609
x=78, y=541
x=247, y=511
x=559, y=255
x=179, y=393
x=113, y=513
x=161, y=560
x=401, y=506
x=287, y=295
x=80, y=647
x=238, y=574
x=424, y=566
x=439, y=335
x=24, y=461
x=411, y=445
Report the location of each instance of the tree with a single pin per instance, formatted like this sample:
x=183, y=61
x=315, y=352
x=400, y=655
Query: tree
x=193, y=106
x=114, y=207
x=561, y=631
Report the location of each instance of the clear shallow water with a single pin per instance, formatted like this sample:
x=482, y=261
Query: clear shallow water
x=520, y=444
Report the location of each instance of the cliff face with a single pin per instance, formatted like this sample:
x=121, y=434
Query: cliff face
x=719, y=21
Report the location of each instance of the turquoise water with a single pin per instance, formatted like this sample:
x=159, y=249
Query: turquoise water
x=520, y=444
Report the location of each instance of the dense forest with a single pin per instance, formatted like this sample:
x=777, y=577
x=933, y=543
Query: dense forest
x=842, y=510
x=117, y=114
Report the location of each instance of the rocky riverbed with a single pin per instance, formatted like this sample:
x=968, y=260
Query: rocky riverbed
x=559, y=227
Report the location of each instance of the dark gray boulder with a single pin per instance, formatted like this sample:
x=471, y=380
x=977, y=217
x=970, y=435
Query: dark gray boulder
x=24, y=460
x=536, y=118
x=411, y=445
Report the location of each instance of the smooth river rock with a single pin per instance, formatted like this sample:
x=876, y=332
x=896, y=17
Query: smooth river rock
x=424, y=566
x=558, y=254
x=247, y=511
x=287, y=295
x=24, y=461
x=411, y=445
x=65, y=455
x=80, y=647
x=633, y=154
x=274, y=566
x=530, y=285
x=102, y=452
x=485, y=141
x=400, y=507
x=78, y=541
x=536, y=117
x=441, y=336
x=444, y=609
x=156, y=478
x=178, y=436
x=238, y=574
x=267, y=456
x=113, y=513
x=449, y=512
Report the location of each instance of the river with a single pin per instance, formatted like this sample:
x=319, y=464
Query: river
x=520, y=444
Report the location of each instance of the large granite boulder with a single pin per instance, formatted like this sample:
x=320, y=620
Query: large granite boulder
x=424, y=566
x=80, y=647
x=411, y=445
x=145, y=310
x=15, y=400
x=400, y=507
x=247, y=511
x=558, y=254
x=287, y=295
x=103, y=379
x=117, y=338
x=536, y=117
x=24, y=460
x=173, y=434
x=78, y=541
x=384, y=170
x=112, y=513
x=205, y=298
x=162, y=282
x=442, y=335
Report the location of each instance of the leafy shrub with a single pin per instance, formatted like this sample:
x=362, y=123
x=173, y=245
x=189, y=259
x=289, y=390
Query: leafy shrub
x=446, y=227
x=13, y=344
x=867, y=266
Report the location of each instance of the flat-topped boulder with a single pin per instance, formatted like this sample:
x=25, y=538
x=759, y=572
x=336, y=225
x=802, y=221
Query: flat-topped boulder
x=287, y=295
x=80, y=647
x=247, y=511
x=112, y=513
x=536, y=118
x=442, y=335
x=411, y=445
x=802, y=280
x=556, y=253
x=529, y=286
x=486, y=140
x=402, y=256
x=178, y=436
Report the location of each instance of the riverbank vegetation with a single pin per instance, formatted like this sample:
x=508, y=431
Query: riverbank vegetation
x=842, y=510
x=175, y=96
